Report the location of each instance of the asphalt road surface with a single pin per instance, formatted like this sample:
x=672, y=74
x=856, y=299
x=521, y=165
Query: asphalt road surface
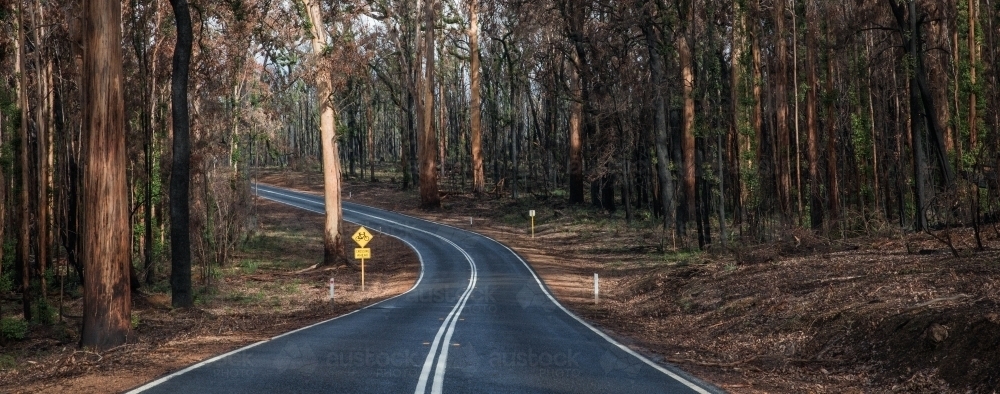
x=478, y=320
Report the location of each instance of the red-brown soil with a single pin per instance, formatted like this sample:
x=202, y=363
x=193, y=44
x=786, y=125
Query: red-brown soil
x=810, y=314
x=268, y=289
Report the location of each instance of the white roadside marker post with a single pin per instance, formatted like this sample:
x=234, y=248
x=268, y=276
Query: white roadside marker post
x=532, y=214
x=331, y=289
x=597, y=288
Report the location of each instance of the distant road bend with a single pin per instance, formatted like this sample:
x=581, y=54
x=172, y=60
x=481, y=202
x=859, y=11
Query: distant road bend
x=478, y=320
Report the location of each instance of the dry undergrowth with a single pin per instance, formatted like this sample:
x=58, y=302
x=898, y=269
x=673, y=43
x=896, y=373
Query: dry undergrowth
x=806, y=314
x=269, y=289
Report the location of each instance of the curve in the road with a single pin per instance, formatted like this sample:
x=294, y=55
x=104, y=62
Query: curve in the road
x=512, y=336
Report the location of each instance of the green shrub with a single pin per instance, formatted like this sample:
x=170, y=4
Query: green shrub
x=7, y=362
x=13, y=329
x=45, y=314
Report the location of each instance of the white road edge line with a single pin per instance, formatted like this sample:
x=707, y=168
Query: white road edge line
x=600, y=333
x=437, y=346
x=160, y=381
x=624, y=348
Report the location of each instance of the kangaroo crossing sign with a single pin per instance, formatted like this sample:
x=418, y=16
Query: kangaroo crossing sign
x=362, y=237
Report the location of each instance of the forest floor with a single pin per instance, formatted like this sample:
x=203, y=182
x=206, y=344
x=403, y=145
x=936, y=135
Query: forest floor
x=268, y=288
x=893, y=313
x=809, y=314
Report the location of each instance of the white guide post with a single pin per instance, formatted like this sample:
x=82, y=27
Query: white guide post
x=597, y=288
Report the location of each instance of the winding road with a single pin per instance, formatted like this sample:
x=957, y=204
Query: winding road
x=478, y=320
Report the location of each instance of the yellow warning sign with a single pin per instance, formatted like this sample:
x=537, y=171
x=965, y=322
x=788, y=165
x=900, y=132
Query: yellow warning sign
x=362, y=253
x=362, y=236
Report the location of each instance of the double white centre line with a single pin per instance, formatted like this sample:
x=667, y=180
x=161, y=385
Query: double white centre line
x=439, y=348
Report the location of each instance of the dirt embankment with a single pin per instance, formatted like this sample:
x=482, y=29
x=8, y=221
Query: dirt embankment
x=806, y=315
x=267, y=289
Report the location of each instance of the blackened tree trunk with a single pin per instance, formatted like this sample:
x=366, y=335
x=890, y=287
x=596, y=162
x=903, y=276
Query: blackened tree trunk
x=107, y=298
x=919, y=157
x=666, y=186
x=180, y=171
x=781, y=155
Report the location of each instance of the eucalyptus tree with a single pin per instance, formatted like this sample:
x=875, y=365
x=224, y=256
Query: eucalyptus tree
x=107, y=301
x=333, y=243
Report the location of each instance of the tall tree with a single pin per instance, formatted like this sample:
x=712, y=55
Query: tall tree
x=919, y=154
x=107, y=298
x=973, y=59
x=574, y=14
x=24, y=217
x=685, y=40
x=575, y=132
x=812, y=151
x=475, y=115
x=429, y=196
x=180, y=171
x=832, y=177
x=656, y=75
x=333, y=243
x=781, y=154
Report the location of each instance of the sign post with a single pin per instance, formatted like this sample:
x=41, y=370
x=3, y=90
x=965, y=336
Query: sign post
x=532, y=214
x=362, y=237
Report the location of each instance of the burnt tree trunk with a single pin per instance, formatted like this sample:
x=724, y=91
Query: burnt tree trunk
x=180, y=165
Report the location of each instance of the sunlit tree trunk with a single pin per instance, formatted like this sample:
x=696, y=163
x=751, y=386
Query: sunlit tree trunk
x=43, y=131
x=575, y=16
x=575, y=137
x=429, y=196
x=478, y=177
x=107, y=299
x=333, y=243
x=687, y=136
